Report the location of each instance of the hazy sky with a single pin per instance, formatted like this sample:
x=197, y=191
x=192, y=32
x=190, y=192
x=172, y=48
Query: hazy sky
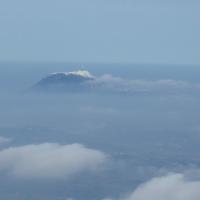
x=140, y=31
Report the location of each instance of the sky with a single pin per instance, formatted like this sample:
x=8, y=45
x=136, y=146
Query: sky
x=145, y=31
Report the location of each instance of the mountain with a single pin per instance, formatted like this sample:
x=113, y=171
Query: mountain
x=65, y=81
x=84, y=81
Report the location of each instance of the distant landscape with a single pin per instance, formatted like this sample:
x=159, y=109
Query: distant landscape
x=98, y=144
x=99, y=100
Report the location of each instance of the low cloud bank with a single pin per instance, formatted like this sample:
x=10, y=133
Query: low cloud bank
x=49, y=160
x=170, y=187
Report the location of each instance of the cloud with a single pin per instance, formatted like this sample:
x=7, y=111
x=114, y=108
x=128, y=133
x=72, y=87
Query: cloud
x=139, y=85
x=49, y=160
x=4, y=140
x=82, y=73
x=169, y=187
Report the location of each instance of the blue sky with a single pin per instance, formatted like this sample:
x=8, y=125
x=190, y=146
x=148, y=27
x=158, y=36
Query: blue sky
x=100, y=31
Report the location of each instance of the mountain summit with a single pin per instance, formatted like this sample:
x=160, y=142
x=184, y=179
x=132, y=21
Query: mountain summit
x=68, y=81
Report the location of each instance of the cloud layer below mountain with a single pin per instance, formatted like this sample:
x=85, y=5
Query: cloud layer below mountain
x=169, y=187
x=49, y=160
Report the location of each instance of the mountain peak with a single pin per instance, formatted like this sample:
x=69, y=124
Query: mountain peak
x=65, y=81
x=80, y=73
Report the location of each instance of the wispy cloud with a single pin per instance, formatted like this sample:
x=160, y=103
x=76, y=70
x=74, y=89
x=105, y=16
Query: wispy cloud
x=118, y=84
x=4, y=140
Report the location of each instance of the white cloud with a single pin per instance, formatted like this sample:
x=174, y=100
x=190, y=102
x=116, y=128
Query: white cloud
x=4, y=140
x=170, y=187
x=82, y=73
x=49, y=160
